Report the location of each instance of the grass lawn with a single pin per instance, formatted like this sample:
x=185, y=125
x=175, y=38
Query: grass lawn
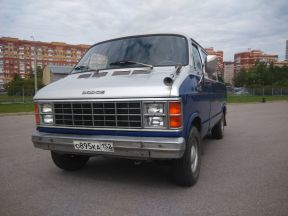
x=249, y=99
x=13, y=108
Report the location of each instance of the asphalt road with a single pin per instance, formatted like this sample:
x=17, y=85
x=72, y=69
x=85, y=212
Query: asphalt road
x=246, y=173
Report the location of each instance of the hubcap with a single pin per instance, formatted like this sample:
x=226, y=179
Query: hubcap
x=194, y=156
x=222, y=125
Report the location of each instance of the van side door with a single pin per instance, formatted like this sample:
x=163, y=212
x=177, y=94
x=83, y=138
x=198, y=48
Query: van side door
x=218, y=98
x=203, y=90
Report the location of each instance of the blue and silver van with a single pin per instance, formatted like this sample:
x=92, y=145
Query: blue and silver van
x=143, y=97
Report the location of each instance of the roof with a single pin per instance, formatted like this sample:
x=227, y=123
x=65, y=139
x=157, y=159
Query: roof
x=56, y=69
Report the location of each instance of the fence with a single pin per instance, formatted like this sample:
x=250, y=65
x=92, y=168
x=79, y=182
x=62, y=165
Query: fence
x=265, y=91
x=17, y=95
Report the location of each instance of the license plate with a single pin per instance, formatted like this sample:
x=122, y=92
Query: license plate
x=93, y=146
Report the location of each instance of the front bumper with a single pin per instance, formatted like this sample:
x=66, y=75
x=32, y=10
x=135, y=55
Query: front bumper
x=124, y=146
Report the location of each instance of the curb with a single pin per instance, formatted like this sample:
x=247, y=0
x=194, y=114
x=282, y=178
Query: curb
x=16, y=114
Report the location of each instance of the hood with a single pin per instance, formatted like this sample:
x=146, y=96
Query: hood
x=113, y=83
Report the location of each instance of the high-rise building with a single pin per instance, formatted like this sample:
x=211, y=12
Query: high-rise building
x=281, y=63
x=229, y=72
x=247, y=59
x=219, y=54
x=17, y=56
x=286, y=54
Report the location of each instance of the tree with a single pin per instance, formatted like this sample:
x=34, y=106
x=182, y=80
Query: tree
x=16, y=77
x=18, y=84
x=241, y=78
x=30, y=74
x=39, y=73
x=263, y=74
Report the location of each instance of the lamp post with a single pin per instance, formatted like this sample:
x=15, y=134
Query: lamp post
x=35, y=66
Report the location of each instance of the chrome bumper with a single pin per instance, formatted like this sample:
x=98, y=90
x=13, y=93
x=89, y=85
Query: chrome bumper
x=124, y=146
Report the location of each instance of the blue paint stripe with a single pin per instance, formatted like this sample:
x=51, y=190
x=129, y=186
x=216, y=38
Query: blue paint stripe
x=109, y=132
x=211, y=117
x=204, y=122
x=216, y=115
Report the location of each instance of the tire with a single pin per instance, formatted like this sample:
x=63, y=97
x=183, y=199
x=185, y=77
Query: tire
x=217, y=131
x=69, y=162
x=186, y=170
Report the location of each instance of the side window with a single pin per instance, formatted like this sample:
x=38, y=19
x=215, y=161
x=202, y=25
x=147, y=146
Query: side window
x=203, y=55
x=196, y=58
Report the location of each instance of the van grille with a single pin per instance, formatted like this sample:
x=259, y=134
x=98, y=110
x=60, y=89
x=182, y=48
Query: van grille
x=99, y=114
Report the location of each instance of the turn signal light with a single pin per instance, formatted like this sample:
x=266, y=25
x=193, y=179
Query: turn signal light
x=36, y=111
x=175, y=121
x=175, y=108
x=175, y=112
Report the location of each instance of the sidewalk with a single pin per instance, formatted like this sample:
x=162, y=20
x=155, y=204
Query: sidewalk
x=16, y=114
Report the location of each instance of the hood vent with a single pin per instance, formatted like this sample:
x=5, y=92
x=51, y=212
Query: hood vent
x=85, y=76
x=141, y=72
x=98, y=74
x=115, y=73
x=120, y=73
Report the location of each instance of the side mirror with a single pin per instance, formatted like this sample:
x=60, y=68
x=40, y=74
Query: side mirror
x=211, y=64
x=200, y=84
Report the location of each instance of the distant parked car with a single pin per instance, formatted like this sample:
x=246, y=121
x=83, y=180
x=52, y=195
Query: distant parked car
x=229, y=89
x=241, y=91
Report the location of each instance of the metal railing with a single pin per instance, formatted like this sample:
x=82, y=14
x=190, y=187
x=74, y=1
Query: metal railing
x=264, y=91
x=17, y=95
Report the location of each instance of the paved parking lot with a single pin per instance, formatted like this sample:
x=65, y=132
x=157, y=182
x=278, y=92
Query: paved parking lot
x=246, y=173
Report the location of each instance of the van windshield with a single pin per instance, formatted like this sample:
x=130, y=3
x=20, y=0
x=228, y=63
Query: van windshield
x=155, y=50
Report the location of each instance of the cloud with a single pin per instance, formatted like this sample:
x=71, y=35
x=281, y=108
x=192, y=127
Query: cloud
x=227, y=25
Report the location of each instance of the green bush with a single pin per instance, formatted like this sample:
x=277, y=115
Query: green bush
x=18, y=86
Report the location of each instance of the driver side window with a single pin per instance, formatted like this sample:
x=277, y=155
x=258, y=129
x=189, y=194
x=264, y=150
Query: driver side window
x=196, y=59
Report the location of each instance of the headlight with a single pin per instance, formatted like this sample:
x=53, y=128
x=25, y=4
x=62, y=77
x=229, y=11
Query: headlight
x=48, y=119
x=154, y=108
x=46, y=108
x=155, y=121
x=155, y=115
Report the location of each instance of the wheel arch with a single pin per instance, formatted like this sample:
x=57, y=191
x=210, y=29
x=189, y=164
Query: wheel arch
x=194, y=120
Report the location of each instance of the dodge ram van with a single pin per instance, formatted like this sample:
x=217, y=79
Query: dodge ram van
x=142, y=97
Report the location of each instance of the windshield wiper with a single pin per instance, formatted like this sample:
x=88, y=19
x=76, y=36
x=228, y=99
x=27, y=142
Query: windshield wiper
x=83, y=68
x=131, y=62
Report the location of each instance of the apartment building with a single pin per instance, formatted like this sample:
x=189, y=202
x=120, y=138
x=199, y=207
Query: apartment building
x=219, y=54
x=281, y=63
x=247, y=59
x=286, y=51
x=17, y=56
x=229, y=73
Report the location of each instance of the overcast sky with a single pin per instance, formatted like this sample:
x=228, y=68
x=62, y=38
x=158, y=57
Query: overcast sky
x=228, y=25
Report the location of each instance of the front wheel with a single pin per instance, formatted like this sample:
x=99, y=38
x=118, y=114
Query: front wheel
x=218, y=130
x=187, y=169
x=69, y=162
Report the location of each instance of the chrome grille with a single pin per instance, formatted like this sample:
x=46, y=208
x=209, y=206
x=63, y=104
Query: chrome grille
x=99, y=114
